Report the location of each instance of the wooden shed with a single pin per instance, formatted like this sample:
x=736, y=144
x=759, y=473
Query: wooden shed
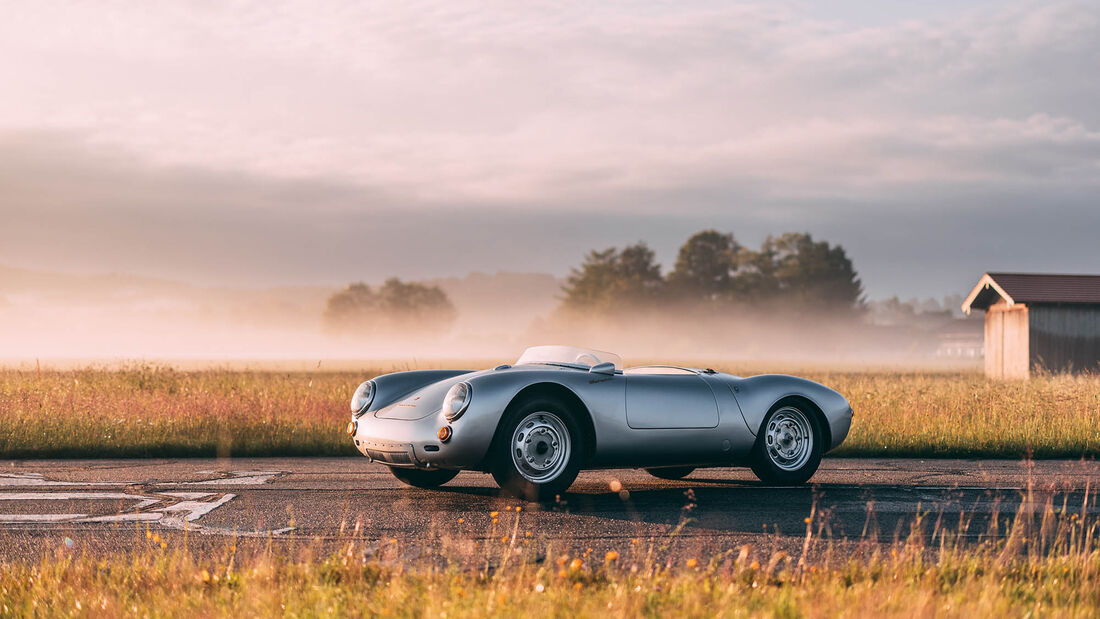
x=1036, y=320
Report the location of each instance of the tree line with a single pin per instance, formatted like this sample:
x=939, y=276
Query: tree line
x=396, y=307
x=791, y=272
x=712, y=270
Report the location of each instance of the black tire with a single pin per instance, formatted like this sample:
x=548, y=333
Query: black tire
x=423, y=479
x=547, y=419
x=768, y=462
x=671, y=472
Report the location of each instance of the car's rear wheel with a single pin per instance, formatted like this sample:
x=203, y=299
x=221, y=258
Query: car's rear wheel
x=423, y=479
x=789, y=446
x=671, y=472
x=538, y=450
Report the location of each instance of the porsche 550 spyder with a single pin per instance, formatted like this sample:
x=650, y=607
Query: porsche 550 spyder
x=559, y=409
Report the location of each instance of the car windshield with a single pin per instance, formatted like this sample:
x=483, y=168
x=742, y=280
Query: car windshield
x=568, y=355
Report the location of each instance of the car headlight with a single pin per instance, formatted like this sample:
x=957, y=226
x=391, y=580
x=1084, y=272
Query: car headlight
x=457, y=400
x=364, y=395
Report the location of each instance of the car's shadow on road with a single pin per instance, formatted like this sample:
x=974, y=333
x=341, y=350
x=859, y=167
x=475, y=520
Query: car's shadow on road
x=737, y=506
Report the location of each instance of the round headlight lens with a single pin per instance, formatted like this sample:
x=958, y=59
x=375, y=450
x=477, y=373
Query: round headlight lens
x=458, y=398
x=362, y=398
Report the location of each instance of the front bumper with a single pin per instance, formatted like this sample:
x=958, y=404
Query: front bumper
x=415, y=443
x=390, y=453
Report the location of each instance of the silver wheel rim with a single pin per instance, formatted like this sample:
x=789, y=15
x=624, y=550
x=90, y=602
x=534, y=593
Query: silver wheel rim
x=789, y=439
x=541, y=447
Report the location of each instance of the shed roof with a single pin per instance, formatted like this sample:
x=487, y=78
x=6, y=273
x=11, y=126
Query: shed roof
x=1033, y=288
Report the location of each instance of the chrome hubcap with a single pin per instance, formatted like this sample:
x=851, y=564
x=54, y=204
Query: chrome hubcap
x=541, y=447
x=789, y=438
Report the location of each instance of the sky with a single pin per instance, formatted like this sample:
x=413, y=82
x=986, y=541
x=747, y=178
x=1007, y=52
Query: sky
x=270, y=142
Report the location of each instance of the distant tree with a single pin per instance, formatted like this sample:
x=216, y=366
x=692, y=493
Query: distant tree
x=791, y=271
x=705, y=267
x=350, y=308
x=756, y=282
x=412, y=305
x=613, y=279
x=808, y=273
x=397, y=308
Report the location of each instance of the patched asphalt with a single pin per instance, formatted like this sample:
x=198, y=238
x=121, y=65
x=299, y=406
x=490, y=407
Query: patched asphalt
x=108, y=505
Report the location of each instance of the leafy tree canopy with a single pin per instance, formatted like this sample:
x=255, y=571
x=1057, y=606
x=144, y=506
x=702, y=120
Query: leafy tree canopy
x=396, y=308
x=813, y=273
x=705, y=266
x=789, y=272
x=613, y=279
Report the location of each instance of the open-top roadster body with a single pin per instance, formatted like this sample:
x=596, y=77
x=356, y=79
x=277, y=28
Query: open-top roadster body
x=534, y=425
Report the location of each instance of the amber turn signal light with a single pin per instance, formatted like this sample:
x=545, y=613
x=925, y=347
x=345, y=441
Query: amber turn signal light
x=351, y=428
x=444, y=434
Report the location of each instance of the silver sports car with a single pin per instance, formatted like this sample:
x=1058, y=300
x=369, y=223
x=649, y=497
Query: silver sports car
x=534, y=425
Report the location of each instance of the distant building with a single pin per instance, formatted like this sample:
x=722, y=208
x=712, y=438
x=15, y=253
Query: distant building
x=1035, y=320
x=960, y=339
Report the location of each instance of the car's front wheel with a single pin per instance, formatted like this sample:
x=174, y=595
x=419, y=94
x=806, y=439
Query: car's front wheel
x=423, y=479
x=789, y=446
x=538, y=450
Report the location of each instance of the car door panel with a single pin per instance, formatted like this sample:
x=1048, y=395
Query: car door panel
x=659, y=401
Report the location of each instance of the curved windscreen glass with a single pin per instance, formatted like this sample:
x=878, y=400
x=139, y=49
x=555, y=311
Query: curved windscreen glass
x=569, y=355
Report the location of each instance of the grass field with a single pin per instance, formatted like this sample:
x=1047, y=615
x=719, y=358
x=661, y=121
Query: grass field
x=142, y=411
x=1046, y=563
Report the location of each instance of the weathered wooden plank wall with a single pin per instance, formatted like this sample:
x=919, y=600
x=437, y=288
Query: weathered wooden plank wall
x=1065, y=338
x=1007, y=343
x=994, y=338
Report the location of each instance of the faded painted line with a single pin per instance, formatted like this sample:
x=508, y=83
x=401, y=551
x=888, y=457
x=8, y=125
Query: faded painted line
x=187, y=495
x=222, y=478
x=197, y=509
x=238, y=478
x=36, y=479
x=135, y=517
x=173, y=510
x=40, y=517
x=143, y=501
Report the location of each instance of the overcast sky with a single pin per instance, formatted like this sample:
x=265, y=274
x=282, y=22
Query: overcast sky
x=259, y=143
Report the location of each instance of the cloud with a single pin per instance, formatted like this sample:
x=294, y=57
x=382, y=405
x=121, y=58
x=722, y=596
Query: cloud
x=233, y=138
x=72, y=206
x=501, y=101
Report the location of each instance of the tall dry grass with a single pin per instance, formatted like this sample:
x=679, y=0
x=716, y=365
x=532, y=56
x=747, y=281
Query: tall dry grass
x=1047, y=563
x=160, y=411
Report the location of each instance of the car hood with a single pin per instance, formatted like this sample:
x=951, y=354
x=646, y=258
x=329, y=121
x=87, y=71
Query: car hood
x=425, y=401
x=428, y=400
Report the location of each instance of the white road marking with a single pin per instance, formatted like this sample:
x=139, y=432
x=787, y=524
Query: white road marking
x=191, y=510
x=239, y=478
x=39, y=517
x=187, y=495
x=170, y=509
x=36, y=479
x=66, y=496
x=135, y=517
x=197, y=509
x=235, y=478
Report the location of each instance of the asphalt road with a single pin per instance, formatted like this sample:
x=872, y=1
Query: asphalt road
x=106, y=505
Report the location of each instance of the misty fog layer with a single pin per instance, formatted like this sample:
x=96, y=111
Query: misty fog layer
x=51, y=316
